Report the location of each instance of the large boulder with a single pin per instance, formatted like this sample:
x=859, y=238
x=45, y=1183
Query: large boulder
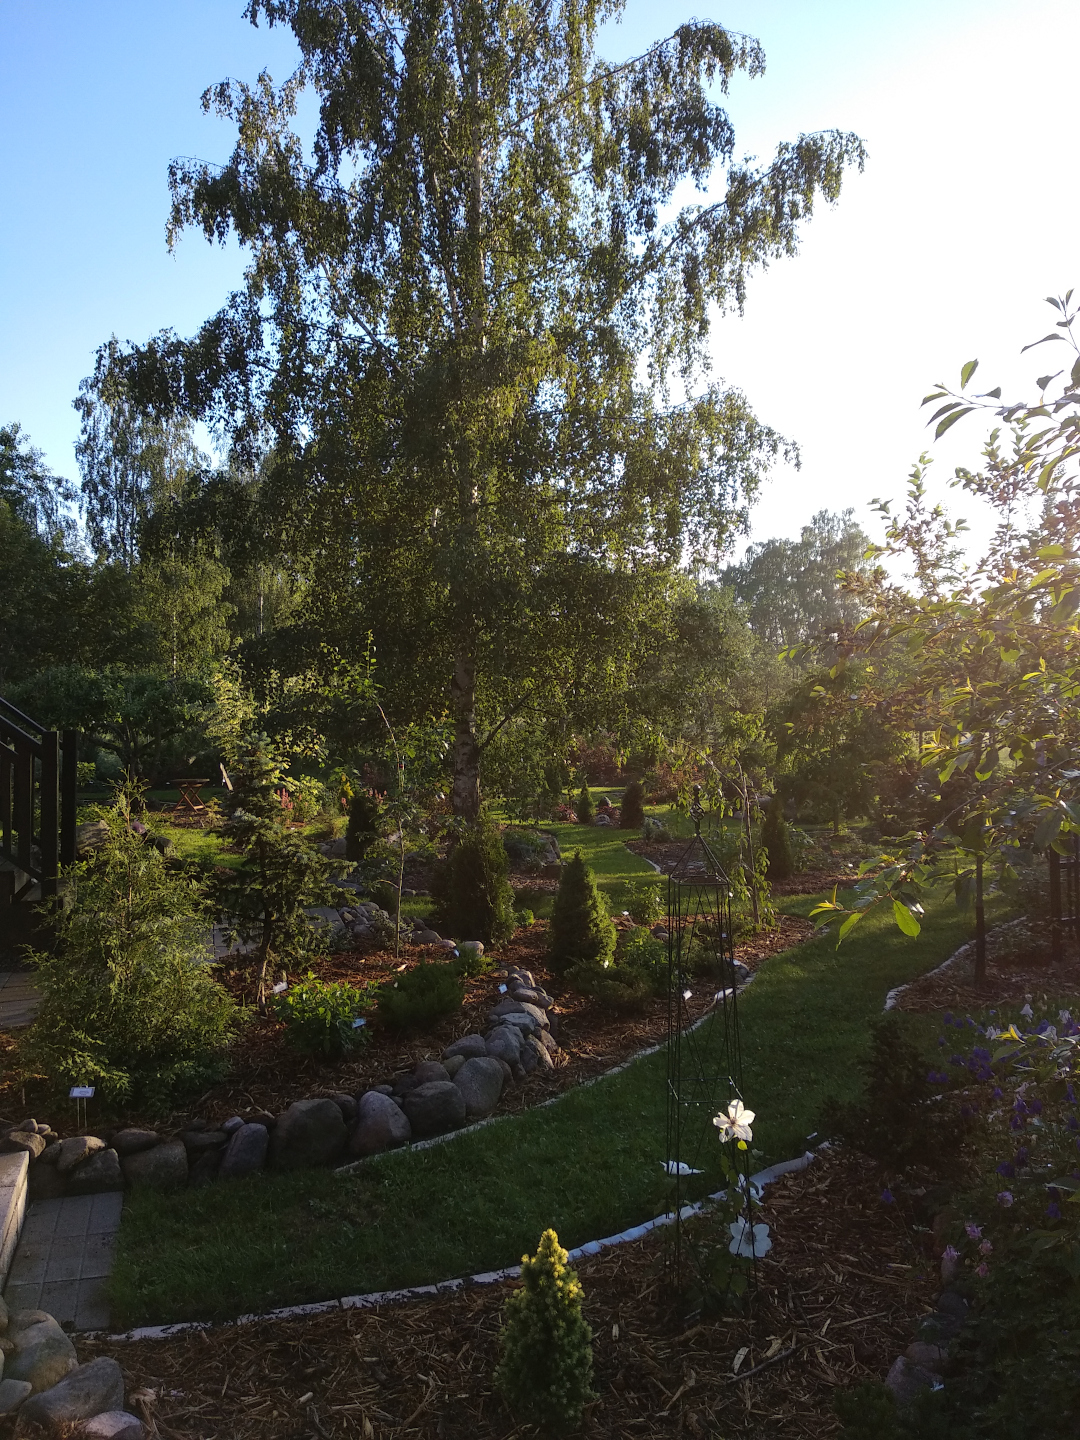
x=245, y=1153
x=326, y=920
x=81, y=1393
x=101, y=1172
x=428, y=1070
x=434, y=1108
x=381, y=1124
x=75, y=1149
x=12, y=1394
x=504, y=1043
x=134, y=1139
x=311, y=1132
x=42, y=1354
x=28, y=1140
x=481, y=1084
x=165, y=1167
x=468, y=1045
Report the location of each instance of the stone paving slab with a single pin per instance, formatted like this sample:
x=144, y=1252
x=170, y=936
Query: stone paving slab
x=19, y=999
x=64, y=1257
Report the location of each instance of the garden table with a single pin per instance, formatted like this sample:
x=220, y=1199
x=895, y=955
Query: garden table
x=189, y=802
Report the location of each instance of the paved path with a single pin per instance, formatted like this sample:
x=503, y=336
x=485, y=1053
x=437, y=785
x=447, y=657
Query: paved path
x=63, y=1258
x=19, y=999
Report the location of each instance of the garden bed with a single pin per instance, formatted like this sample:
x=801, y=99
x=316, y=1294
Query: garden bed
x=838, y=1298
x=1019, y=970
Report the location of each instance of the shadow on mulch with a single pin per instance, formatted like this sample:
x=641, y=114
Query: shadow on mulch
x=837, y=1300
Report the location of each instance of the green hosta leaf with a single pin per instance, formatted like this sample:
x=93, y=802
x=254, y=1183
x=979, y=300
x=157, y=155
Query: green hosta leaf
x=905, y=919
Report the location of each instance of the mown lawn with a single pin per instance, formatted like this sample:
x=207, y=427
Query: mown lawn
x=589, y=1166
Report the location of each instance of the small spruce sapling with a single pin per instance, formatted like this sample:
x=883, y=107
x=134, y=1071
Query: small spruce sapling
x=581, y=928
x=363, y=827
x=776, y=842
x=584, y=809
x=473, y=898
x=632, y=811
x=546, y=1365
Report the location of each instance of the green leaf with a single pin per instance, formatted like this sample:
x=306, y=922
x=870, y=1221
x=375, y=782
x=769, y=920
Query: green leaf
x=1047, y=828
x=905, y=919
x=967, y=372
x=951, y=420
x=849, y=924
x=994, y=394
x=1050, y=552
x=1074, y=376
x=1043, y=341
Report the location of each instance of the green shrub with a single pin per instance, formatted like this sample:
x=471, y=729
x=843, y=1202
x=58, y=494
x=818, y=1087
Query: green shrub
x=581, y=928
x=584, y=810
x=655, y=831
x=644, y=954
x=309, y=797
x=523, y=918
x=472, y=961
x=546, y=1364
x=774, y=838
x=632, y=811
x=318, y=1017
x=527, y=847
x=621, y=988
x=472, y=895
x=644, y=902
x=363, y=828
x=421, y=995
x=129, y=1004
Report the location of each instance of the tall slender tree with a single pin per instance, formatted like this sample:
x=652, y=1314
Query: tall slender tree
x=474, y=324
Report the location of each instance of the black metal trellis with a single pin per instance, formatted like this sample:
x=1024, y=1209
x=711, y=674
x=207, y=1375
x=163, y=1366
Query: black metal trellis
x=1064, y=897
x=704, y=1060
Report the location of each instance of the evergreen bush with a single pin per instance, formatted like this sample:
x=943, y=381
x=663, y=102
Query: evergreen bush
x=128, y=1002
x=473, y=898
x=776, y=841
x=421, y=995
x=546, y=1365
x=363, y=827
x=632, y=813
x=581, y=928
x=584, y=810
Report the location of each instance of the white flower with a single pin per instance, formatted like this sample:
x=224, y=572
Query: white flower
x=749, y=1241
x=678, y=1167
x=735, y=1125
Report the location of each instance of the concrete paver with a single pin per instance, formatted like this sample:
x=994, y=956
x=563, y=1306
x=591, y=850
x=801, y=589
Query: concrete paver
x=64, y=1257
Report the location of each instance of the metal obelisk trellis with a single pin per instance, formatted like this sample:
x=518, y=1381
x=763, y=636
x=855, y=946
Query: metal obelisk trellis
x=704, y=1063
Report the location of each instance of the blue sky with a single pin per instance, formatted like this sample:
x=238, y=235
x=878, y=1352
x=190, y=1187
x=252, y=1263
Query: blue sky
x=965, y=218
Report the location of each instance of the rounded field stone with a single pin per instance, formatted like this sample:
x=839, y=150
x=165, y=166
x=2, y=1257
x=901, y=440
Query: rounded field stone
x=454, y=1064
x=12, y=1394
x=311, y=1132
x=245, y=1153
x=114, y=1425
x=429, y=1070
x=504, y=1043
x=434, y=1108
x=28, y=1140
x=84, y=1391
x=97, y=1175
x=481, y=1083
x=165, y=1167
x=77, y=1148
x=468, y=1045
x=42, y=1353
x=134, y=1139
x=381, y=1124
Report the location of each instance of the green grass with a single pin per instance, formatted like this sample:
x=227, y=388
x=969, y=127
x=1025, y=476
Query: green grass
x=589, y=1166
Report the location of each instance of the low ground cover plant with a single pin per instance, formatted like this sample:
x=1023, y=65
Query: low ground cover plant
x=320, y=1017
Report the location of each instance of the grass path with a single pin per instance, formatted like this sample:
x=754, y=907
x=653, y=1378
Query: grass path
x=589, y=1166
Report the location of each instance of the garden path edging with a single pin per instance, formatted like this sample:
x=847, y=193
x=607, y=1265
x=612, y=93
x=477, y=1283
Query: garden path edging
x=448, y=1287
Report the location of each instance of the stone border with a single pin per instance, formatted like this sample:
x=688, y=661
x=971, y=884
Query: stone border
x=955, y=958
x=446, y=1287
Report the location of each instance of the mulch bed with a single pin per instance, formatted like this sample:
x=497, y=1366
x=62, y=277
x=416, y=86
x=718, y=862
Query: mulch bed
x=837, y=1300
x=1019, y=970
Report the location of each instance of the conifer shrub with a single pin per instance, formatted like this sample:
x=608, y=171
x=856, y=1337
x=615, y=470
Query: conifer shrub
x=363, y=827
x=546, y=1366
x=584, y=809
x=581, y=928
x=473, y=898
x=776, y=841
x=632, y=813
x=421, y=995
x=129, y=1003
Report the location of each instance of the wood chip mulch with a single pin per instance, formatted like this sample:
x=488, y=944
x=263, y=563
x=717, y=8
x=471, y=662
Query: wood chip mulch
x=837, y=1300
x=1019, y=970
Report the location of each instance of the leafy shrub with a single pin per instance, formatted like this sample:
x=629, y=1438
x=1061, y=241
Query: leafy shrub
x=363, y=828
x=581, y=928
x=644, y=903
x=774, y=838
x=546, y=1364
x=318, y=1017
x=309, y=797
x=525, y=846
x=129, y=1004
x=643, y=953
x=421, y=995
x=523, y=918
x=804, y=852
x=654, y=831
x=632, y=813
x=583, y=810
x=472, y=962
x=473, y=899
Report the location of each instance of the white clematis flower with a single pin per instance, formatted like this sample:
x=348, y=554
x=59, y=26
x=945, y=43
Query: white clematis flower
x=751, y=1242
x=735, y=1125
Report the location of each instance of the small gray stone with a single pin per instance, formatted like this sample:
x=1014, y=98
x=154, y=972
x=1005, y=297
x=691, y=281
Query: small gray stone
x=165, y=1167
x=504, y=1043
x=132, y=1140
x=526, y=1023
x=907, y=1381
x=76, y=1149
x=426, y=937
x=468, y=1045
x=96, y=1175
x=534, y=1045
x=524, y=976
x=506, y=1006
x=83, y=1392
x=197, y=1142
x=245, y=1153
x=28, y=1140
x=383, y=1089
x=42, y=1353
x=931, y=1357
x=527, y=996
x=381, y=1124
x=232, y=1124
x=429, y=1070
x=404, y=1083
x=454, y=1064
x=951, y=1303
x=311, y=1132
x=434, y=1108
x=481, y=1083
x=12, y=1394
x=547, y=1040
x=115, y=1425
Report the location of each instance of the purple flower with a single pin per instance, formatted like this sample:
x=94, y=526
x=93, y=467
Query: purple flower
x=888, y=1197
x=996, y=1093
x=1070, y=1093
x=986, y=1248
x=1007, y=1169
x=1015, y=1123
x=1053, y=1211
x=1020, y=1105
x=1005, y=1197
x=948, y=1017
x=1073, y=1123
x=981, y=1053
x=956, y=1059
x=950, y=1253
x=1022, y=1155
x=973, y=1231
x=941, y=1040
x=982, y=1270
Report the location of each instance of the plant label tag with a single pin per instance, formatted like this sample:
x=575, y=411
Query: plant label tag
x=502, y=989
x=359, y=1022
x=686, y=994
x=280, y=987
x=81, y=1092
